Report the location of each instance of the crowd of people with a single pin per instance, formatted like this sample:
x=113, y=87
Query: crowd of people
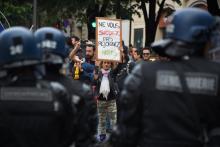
x=105, y=78
x=54, y=92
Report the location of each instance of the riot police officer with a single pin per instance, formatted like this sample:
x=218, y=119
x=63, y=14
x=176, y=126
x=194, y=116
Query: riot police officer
x=33, y=112
x=175, y=103
x=52, y=42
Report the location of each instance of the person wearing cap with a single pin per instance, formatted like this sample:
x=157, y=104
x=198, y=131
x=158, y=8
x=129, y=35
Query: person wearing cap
x=176, y=103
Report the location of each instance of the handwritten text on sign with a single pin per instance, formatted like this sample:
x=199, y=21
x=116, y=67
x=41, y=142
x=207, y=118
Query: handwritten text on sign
x=108, y=39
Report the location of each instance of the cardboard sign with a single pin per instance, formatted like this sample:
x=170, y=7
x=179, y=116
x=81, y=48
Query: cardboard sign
x=108, y=39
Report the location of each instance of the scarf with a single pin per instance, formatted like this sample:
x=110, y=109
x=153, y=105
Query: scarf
x=105, y=88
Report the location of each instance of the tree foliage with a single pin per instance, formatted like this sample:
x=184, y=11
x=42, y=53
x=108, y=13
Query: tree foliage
x=84, y=11
x=17, y=12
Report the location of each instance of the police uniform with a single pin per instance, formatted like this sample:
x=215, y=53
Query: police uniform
x=33, y=112
x=81, y=97
x=176, y=103
x=80, y=94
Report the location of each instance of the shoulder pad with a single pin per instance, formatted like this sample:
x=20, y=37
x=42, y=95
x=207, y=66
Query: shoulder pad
x=86, y=87
x=57, y=86
x=3, y=73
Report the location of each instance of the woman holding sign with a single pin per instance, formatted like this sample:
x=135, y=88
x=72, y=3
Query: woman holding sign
x=106, y=97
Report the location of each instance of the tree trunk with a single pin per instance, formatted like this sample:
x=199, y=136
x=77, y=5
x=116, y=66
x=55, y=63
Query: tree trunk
x=146, y=19
x=102, y=12
x=213, y=7
x=150, y=36
x=118, y=9
x=151, y=22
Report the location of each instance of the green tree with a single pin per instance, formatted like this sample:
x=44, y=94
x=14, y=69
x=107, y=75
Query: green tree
x=103, y=8
x=51, y=11
x=18, y=13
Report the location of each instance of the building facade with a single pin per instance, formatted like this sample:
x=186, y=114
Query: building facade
x=137, y=29
x=138, y=25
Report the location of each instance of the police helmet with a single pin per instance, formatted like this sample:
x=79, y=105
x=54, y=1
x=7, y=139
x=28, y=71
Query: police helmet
x=53, y=44
x=18, y=48
x=189, y=26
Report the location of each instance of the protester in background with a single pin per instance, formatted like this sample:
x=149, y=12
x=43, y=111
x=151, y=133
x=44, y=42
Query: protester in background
x=74, y=40
x=75, y=57
x=129, y=50
x=74, y=45
x=132, y=50
x=146, y=53
x=124, y=46
x=137, y=56
x=121, y=72
x=85, y=65
x=123, y=69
